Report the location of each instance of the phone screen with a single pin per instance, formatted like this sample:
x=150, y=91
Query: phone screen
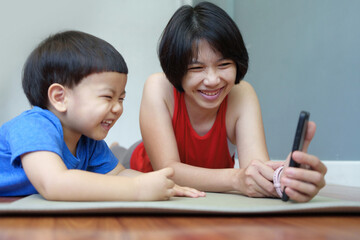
x=298, y=141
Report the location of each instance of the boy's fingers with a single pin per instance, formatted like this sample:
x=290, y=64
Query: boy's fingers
x=171, y=193
x=170, y=183
x=193, y=192
x=168, y=172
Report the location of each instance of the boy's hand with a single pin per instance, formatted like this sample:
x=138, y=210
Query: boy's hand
x=188, y=192
x=155, y=185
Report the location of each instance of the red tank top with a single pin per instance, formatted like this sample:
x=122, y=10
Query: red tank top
x=208, y=151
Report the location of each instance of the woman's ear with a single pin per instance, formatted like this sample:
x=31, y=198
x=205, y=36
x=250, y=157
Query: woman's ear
x=57, y=97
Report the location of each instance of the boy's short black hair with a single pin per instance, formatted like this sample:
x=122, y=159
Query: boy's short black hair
x=188, y=25
x=66, y=58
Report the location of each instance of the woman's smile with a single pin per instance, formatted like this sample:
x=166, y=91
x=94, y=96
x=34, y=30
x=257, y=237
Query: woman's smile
x=211, y=94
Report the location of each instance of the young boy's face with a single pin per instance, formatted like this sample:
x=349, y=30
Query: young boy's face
x=94, y=105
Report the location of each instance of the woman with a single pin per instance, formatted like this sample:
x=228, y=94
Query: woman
x=199, y=110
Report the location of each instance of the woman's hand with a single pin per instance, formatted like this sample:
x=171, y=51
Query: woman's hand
x=256, y=180
x=302, y=184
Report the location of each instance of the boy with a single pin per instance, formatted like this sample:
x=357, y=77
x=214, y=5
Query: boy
x=76, y=83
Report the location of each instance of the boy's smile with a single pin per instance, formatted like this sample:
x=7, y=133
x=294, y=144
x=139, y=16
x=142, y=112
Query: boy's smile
x=107, y=124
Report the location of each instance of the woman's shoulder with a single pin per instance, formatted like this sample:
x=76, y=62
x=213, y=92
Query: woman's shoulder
x=244, y=88
x=158, y=79
x=241, y=94
x=158, y=89
x=159, y=84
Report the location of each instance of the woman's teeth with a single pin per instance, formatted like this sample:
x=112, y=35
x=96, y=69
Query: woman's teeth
x=210, y=93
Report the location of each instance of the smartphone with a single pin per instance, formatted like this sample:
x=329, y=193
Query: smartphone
x=298, y=142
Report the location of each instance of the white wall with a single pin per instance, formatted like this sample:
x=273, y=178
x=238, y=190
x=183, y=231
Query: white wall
x=132, y=27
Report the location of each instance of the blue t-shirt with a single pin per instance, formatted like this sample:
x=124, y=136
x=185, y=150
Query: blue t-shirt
x=40, y=130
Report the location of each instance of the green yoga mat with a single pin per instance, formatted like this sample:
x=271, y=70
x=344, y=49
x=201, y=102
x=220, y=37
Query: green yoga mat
x=213, y=203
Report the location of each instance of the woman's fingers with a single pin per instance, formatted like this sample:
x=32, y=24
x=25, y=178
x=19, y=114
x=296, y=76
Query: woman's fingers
x=310, y=132
x=310, y=160
x=258, y=180
x=303, y=184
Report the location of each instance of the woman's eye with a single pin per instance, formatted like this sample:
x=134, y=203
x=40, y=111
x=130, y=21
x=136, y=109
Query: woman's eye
x=195, y=68
x=225, y=64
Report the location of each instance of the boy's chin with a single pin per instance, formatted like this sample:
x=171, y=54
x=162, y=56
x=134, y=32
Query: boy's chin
x=97, y=137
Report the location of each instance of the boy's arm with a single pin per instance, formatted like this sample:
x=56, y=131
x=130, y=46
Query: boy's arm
x=51, y=178
x=120, y=170
x=178, y=190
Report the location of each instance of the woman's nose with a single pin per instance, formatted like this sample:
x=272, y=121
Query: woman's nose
x=212, y=78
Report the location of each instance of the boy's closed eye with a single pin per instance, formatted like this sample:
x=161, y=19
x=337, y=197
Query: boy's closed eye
x=108, y=97
x=122, y=97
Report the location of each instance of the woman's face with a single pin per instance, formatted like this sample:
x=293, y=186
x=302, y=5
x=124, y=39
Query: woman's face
x=209, y=78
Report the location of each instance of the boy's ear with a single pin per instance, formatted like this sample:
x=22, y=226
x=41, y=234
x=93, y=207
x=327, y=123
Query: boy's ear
x=57, y=97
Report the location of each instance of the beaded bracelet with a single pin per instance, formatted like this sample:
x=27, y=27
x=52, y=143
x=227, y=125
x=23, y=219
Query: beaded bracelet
x=276, y=180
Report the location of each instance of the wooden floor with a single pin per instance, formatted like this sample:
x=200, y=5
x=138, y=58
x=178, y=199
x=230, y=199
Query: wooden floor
x=316, y=226
x=180, y=227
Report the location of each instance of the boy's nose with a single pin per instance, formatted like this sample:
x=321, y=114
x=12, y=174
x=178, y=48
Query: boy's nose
x=117, y=108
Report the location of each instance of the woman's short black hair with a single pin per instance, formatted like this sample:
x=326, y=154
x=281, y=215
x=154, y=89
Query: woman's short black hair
x=188, y=25
x=66, y=58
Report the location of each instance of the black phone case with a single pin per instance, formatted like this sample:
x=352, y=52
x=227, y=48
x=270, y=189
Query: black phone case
x=298, y=141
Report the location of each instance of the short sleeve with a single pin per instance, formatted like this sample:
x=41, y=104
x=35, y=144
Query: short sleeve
x=102, y=160
x=34, y=132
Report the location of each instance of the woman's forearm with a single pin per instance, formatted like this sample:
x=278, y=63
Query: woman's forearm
x=205, y=179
